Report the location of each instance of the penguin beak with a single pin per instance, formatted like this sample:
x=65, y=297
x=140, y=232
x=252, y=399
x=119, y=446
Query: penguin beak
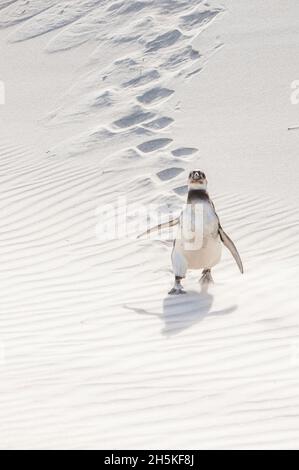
x=200, y=180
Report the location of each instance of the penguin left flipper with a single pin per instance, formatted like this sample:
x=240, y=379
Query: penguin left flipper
x=231, y=247
x=169, y=224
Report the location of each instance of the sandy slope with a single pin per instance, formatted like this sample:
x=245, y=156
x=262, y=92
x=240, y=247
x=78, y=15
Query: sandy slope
x=93, y=352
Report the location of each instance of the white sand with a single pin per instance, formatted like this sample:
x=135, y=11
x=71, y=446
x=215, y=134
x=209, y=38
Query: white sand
x=93, y=353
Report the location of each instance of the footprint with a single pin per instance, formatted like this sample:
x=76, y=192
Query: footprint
x=169, y=173
x=181, y=58
x=136, y=117
x=143, y=79
x=134, y=7
x=103, y=100
x=152, y=145
x=159, y=123
x=115, y=6
x=198, y=19
x=181, y=190
x=184, y=151
x=171, y=7
x=155, y=95
x=164, y=40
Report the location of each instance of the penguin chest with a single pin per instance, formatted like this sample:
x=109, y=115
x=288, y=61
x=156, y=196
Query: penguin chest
x=199, y=241
x=205, y=257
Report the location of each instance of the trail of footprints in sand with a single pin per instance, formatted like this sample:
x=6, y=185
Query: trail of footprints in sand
x=120, y=102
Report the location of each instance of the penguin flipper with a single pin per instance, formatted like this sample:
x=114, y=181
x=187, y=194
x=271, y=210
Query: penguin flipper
x=232, y=248
x=171, y=223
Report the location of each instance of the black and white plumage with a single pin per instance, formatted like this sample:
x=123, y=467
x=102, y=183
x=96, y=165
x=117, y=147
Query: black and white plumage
x=200, y=235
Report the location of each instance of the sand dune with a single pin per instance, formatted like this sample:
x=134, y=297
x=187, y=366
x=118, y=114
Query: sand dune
x=93, y=352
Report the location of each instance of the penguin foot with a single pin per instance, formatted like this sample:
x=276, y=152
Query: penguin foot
x=177, y=288
x=175, y=291
x=206, y=277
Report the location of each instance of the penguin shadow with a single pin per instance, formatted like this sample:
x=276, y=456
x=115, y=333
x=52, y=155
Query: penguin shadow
x=190, y=309
x=184, y=311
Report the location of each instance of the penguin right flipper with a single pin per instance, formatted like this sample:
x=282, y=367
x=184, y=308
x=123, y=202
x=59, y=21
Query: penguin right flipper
x=231, y=247
x=169, y=224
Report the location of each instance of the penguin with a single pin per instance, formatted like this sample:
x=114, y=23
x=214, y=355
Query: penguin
x=200, y=236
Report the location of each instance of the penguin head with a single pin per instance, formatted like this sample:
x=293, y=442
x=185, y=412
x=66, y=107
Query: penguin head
x=197, y=180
